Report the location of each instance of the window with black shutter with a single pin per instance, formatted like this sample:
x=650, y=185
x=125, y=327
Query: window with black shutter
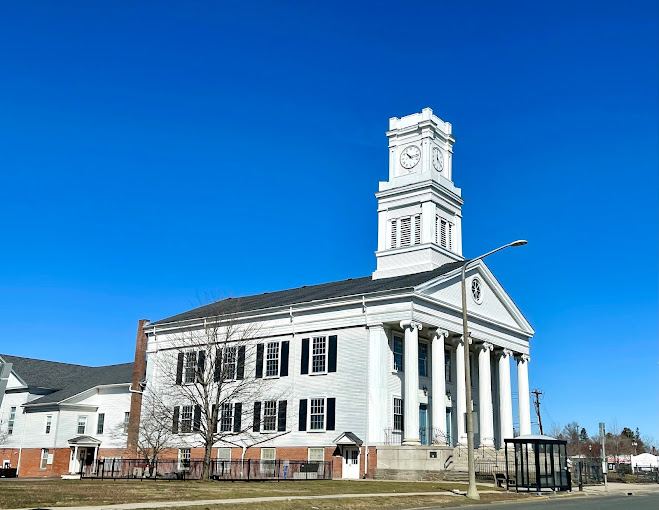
x=331, y=359
x=283, y=370
x=257, y=417
x=281, y=416
x=201, y=365
x=259, y=360
x=302, y=415
x=304, y=362
x=331, y=413
x=240, y=370
x=196, y=424
x=175, y=420
x=179, y=368
x=237, y=416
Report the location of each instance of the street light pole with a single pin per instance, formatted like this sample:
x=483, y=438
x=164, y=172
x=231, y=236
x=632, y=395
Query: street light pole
x=472, y=492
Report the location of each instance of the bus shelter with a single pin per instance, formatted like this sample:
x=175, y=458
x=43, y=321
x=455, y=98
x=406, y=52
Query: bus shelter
x=537, y=462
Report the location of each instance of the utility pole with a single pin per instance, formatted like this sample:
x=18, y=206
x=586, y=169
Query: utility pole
x=536, y=403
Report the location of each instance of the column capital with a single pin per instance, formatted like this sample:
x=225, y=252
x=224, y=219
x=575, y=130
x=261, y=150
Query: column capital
x=522, y=358
x=485, y=346
x=458, y=340
x=503, y=353
x=438, y=334
x=411, y=325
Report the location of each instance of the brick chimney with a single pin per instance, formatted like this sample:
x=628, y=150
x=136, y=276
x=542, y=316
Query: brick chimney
x=139, y=373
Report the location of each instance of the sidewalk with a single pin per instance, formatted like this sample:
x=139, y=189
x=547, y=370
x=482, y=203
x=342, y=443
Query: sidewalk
x=170, y=504
x=618, y=489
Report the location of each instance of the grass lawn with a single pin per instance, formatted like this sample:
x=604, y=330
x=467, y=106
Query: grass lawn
x=31, y=494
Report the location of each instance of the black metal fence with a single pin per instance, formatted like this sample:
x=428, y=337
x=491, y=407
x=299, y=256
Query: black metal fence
x=192, y=469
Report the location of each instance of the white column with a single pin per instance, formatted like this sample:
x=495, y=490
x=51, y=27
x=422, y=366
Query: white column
x=486, y=415
x=505, y=396
x=411, y=369
x=438, y=418
x=523, y=392
x=461, y=407
x=378, y=365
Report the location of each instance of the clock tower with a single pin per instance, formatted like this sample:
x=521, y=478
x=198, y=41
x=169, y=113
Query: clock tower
x=419, y=208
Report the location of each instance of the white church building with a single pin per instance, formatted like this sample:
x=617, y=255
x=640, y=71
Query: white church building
x=372, y=369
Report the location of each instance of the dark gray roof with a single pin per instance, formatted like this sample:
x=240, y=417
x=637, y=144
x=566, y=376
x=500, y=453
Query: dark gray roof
x=306, y=294
x=64, y=379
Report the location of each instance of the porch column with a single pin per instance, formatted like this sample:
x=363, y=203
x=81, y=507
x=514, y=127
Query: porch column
x=486, y=415
x=438, y=387
x=73, y=460
x=461, y=407
x=505, y=396
x=411, y=368
x=523, y=393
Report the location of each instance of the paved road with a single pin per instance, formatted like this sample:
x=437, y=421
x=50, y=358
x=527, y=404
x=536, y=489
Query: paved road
x=637, y=502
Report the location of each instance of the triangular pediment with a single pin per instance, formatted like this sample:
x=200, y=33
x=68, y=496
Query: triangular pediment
x=494, y=306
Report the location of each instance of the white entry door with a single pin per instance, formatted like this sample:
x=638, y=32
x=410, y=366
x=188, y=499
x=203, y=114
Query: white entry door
x=351, y=463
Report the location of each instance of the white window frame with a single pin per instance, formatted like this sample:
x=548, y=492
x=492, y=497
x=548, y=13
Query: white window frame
x=271, y=417
x=48, y=426
x=394, y=413
x=183, y=418
x=82, y=417
x=265, y=359
x=184, y=454
x=12, y=420
x=223, y=457
x=310, y=414
x=397, y=369
x=316, y=450
x=100, y=421
x=190, y=369
x=226, y=417
x=268, y=465
x=230, y=353
x=126, y=421
x=43, y=462
x=427, y=362
x=325, y=355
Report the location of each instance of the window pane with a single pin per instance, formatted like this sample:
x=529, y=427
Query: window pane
x=317, y=413
x=316, y=454
x=447, y=365
x=405, y=231
x=230, y=363
x=82, y=424
x=319, y=353
x=269, y=416
x=186, y=419
x=190, y=365
x=423, y=359
x=398, y=354
x=226, y=421
x=398, y=414
x=272, y=360
x=100, y=424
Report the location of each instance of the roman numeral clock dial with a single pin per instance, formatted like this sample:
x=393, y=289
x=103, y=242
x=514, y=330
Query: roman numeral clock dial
x=410, y=157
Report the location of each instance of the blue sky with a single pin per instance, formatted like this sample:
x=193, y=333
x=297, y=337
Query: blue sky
x=154, y=153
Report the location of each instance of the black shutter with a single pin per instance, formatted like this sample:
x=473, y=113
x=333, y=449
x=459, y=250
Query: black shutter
x=217, y=375
x=196, y=425
x=281, y=416
x=175, y=420
x=201, y=365
x=283, y=370
x=305, y=356
x=240, y=372
x=179, y=368
x=331, y=359
x=302, y=420
x=331, y=413
x=214, y=419
x=237, y=416
x=259, y=360
x=257, y=417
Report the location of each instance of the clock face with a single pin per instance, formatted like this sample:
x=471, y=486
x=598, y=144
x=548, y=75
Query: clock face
x=410, y=157
x=437, y=159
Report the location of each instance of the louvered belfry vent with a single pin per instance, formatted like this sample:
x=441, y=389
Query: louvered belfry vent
x=394, y=233
x=417, y=229
x=405, y=231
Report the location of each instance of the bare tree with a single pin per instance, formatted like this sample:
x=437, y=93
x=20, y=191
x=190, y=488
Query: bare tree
x=571, y=435
x=155, y=432
x=210, y=382
x=555, y=430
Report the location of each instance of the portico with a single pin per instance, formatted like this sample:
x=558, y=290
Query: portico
x=445, y=390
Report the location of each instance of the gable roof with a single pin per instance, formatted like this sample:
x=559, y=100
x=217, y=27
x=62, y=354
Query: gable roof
x=307, y=294
x=64, y=379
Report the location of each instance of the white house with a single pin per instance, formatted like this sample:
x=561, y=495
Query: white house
x=55, y=417
x=372, y=368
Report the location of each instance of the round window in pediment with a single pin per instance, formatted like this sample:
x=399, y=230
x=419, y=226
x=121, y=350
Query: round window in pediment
x=477, y=290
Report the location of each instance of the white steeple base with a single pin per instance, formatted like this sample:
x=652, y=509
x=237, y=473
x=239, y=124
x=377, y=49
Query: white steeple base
x=412, y=259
